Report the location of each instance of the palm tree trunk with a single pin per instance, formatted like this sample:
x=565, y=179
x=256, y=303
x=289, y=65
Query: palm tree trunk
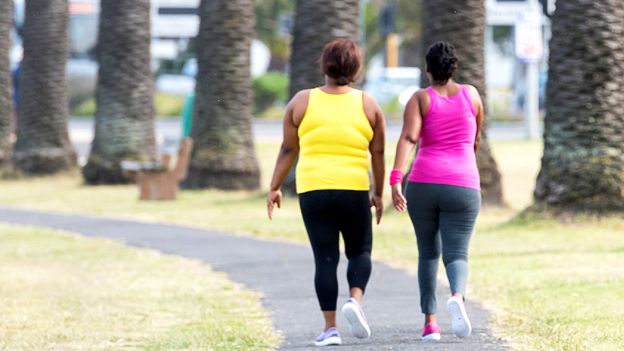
x=462, y=23
x=6, y=107
x=43, y=145
x=224, y=155
x=317, y=22
x=583, y=162
x=124, y=120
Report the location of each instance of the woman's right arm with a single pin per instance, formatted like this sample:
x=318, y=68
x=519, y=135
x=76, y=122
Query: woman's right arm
x=412, y=124
x=288, y=151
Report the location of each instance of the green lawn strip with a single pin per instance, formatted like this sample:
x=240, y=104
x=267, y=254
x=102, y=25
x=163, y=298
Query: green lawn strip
x=166, y=105
x=517, y=267
x=560, y=285
x=59, y=291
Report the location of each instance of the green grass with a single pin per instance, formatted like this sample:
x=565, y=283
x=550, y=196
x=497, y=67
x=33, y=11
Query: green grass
x=60, y=291
x=559, y=286
x=273, y=113
x=550, y=285
x=166, y=105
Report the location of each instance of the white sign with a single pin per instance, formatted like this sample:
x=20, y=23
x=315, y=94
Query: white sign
x=175, y=26
x=529, y=42
x=173, y=19
x=504, y=14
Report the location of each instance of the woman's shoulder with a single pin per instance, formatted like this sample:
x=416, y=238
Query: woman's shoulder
x=371, y=107
x=421, y=95
x=367, y=97
x=301, y=97
x=303, y=93
x=423, y=91
x=471, y=89
x=298, y=105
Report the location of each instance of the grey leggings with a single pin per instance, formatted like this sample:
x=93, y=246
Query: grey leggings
x=443, y=218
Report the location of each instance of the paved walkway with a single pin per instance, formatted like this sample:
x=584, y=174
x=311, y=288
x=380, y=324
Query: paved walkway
x=283, y=273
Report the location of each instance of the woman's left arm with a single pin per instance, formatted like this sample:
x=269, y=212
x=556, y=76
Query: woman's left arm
x=377, y=149
x=478, y=106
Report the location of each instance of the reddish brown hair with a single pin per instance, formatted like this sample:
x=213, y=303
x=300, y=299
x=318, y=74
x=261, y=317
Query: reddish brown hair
x=342, y=61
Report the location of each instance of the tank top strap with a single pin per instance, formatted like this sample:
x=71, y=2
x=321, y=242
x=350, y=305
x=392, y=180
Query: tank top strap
x=359, y=96
x=466, y=94
x=432, y=100
x=314, y=93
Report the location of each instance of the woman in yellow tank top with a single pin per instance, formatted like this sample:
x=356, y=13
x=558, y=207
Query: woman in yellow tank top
x=337, y=132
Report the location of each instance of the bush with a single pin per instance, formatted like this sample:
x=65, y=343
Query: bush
x=393, y=109
x=168, y=105
x=269, y=89
x=84, y=109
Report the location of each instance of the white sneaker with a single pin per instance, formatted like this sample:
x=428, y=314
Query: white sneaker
x=329, y=337
x=357, y=320
x=459, y=317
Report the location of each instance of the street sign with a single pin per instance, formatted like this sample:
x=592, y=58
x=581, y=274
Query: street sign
x=529, y=41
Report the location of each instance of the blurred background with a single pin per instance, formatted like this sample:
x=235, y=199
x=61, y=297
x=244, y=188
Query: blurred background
x=390, y=34
x=186, y=97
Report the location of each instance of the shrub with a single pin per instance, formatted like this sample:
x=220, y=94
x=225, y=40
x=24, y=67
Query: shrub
x=269, y=89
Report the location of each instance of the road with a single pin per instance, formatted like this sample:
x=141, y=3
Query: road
x=168, y=133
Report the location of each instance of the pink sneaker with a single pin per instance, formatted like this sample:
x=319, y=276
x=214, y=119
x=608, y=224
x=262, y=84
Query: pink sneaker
x=431, y=332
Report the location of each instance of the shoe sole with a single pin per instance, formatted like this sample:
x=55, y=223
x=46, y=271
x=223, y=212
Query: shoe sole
x=334, y=340
x=431, y=337
x=459, y=318
x=359, y=327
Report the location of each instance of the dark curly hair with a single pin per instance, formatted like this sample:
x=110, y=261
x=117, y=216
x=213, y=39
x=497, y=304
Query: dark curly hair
x=442, y=61
x=342, y=61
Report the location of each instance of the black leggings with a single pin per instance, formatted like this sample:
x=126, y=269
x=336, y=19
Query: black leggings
x=325, y=214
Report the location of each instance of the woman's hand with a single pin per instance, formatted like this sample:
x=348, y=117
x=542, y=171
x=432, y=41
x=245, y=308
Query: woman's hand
x=274, y=197
x=377, y=202
x=399, y=201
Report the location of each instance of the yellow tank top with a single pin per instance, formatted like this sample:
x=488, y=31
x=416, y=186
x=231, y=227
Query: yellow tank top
x=334, y=138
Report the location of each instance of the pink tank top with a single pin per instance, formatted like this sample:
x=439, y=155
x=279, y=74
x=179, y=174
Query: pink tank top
x=446, y=147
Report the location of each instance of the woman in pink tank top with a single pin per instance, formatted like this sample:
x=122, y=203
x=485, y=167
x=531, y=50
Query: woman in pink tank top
x=443, y=194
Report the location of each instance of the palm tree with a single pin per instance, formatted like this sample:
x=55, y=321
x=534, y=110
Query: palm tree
x=43, y=145
x=462, y=23
x=6, y=108
x=224, y=155
x=317, y=22
x=124, y=120
x=583, y=162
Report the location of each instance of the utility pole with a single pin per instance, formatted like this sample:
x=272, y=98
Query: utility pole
x=391, y=38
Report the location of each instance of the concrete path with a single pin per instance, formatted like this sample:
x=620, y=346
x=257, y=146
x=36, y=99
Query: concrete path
x=283, y=273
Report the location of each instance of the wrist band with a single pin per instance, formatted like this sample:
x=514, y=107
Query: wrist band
x=396, y=177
